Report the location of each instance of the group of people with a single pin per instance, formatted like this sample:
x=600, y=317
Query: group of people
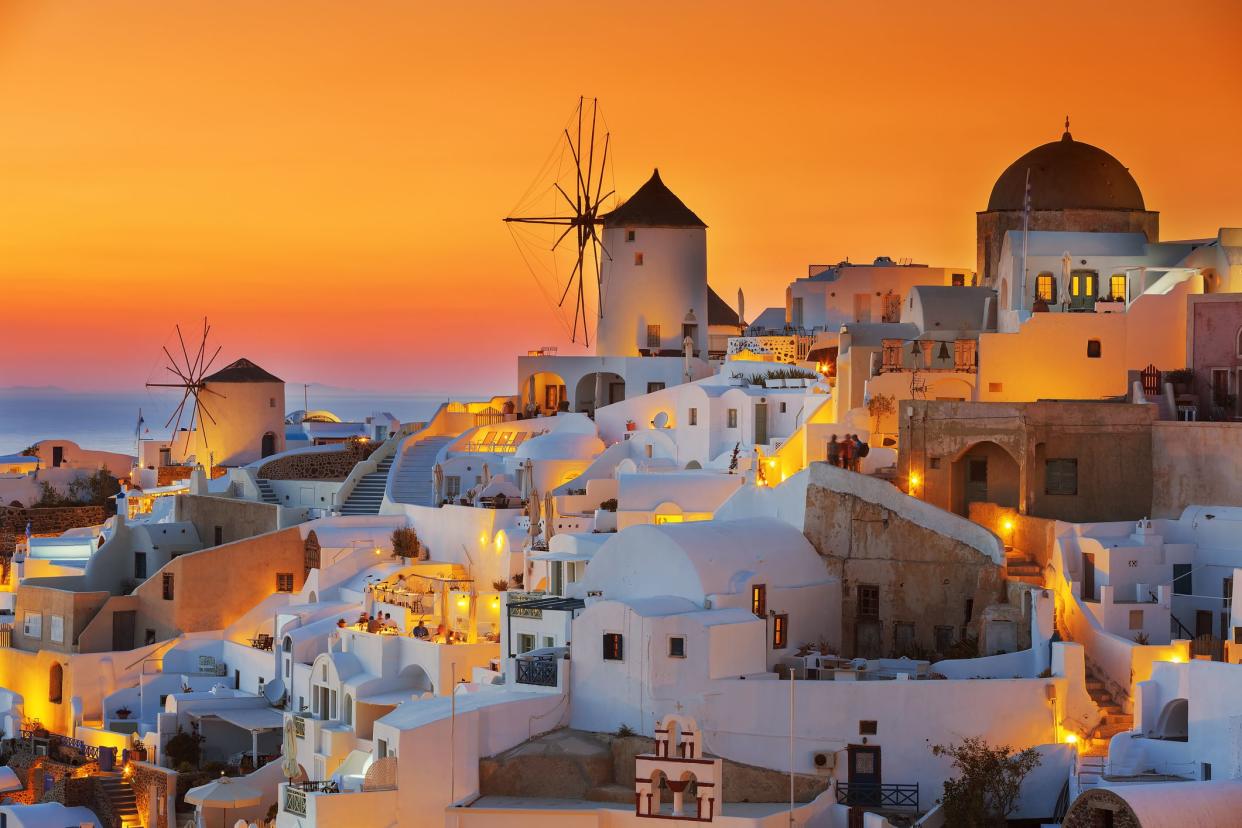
x=373, y=623
x=848, y=452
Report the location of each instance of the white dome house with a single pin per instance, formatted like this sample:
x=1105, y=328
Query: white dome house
x=654, y=290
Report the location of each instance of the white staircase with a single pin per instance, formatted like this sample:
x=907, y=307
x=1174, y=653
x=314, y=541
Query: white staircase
x=266, y=492
x=368, y=493
x=412, y=479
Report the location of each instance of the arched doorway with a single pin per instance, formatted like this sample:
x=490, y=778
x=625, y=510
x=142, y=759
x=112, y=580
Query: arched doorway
x=543, y=394
x=598, y=389
x=311, y=550
x=55, y=682
x=984, y=473
x=269, y=445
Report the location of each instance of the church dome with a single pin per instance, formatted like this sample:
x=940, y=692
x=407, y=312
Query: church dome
x=1066, y=175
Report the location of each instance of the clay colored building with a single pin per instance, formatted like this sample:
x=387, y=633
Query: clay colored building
x=1214, y=352
x=1075, y=461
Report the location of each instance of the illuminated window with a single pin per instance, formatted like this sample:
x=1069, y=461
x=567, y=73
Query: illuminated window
x=653, y=336
x=692, y=417
x=1117, y=287
x=780, y=631
x=662, y=519
x=1046, y=288
x=613, y=647
x=630, y=235
x=638, y=259
x=732, y=418
x=759, y=599
x=284, y=582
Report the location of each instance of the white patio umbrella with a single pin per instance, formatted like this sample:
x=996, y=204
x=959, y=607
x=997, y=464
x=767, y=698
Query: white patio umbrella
x=437, y=479
x=9, y=781
x=289, y=762
x=223, y=794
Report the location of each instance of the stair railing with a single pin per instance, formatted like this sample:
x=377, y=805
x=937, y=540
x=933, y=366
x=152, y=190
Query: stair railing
x=371, y=465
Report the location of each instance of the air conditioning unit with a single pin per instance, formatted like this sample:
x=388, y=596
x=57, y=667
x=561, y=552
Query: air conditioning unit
x=823, y=761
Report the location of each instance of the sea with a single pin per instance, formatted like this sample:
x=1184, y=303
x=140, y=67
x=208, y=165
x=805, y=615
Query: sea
x=109, y=421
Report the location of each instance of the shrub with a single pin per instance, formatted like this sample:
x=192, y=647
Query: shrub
x=184, y=748
x=985, y=790
x=625, y=730
x=404, y=542
x=609, y=505
x=500, y=585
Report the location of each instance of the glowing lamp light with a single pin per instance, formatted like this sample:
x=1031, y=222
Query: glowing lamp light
x=1071, y=738
x=771, y=464
x=379, y=551
x=914, y=480
x=462, y=602
x=1008, y=524
x=1176, y=659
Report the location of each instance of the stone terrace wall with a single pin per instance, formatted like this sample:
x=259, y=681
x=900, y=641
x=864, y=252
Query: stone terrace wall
x=49, y=521
x=327, y=465
x=1195, y=464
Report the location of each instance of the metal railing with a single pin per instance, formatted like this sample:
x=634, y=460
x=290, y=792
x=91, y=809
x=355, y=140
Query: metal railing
x=540, y=672
x=315, y=786
x=870, y=795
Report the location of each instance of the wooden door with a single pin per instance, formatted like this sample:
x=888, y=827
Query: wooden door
x=761, y=424
x=1088, y=576
x=864, y=775
x=1203, y=623
x=123, y=626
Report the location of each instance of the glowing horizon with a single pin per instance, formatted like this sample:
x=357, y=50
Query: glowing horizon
x=327, y=183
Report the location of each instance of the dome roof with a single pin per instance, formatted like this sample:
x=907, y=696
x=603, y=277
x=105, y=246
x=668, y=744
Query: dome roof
x=653, y=205
x=1067, y=174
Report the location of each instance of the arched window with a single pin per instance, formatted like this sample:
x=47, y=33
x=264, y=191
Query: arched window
x=347, y=712
x=55, y=683
x=287, y=644
x=1238, y=351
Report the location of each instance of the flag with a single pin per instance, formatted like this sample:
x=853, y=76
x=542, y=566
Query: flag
x=138, y=428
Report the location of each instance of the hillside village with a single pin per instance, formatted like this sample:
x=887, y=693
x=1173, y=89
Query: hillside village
x=742, y=572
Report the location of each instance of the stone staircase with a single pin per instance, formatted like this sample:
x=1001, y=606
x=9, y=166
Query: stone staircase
x=1020, y=567
x=121, y=794
x=1093, y=755
x=266, y=492
x=368, y=493
x=412, y=481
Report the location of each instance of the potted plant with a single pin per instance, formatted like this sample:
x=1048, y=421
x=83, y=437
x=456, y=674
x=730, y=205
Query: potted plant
x=123, y=712
x=630, y=425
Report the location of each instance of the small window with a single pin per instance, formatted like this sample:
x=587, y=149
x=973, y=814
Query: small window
x=780, y=631
x=995, y=387
x=630, y=235
x=933, y=462
x=867, y=727
x=759, y=599
x=271, y=403
x=653, y=387
x=219, y=535
x=653, y=336
x=970, y=611
x=783, y=410
x=140, y=566
x=32, y=625
x=959, y=280
x=1239, y=348
x=692, y=417
x=284, y=582
x=56, y=629
x=613, y=648
x=1061, y=477
x=638, y=259
x=1117, y=287
x=149, y=636
x=1046, y=288
x=1136, y=619
x=677, y=646
x=868, y=601
x=1182, y=579
x=732, y=418
x=525, y=643
x=1093, y=349
x=944, y=639
x=168, y=586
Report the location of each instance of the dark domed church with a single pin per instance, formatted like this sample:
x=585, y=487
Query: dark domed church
x=1074, y=186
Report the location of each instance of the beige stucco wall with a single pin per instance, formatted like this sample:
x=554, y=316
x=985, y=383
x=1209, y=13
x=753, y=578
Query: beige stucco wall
x=237, y=519
x=1195, y=463
x=54, y=596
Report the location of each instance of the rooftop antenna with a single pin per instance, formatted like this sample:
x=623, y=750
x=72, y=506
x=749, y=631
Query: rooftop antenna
x=573, y=191
x=190, y=373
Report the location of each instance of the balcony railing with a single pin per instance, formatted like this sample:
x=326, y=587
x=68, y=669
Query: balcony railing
x=870, y=795
x=540, y=672
x=295, y=801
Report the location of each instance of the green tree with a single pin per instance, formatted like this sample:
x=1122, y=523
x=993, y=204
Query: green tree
x=985, y=790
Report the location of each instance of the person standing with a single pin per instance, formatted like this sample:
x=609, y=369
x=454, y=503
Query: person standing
x=834, y=451
x=847, y=452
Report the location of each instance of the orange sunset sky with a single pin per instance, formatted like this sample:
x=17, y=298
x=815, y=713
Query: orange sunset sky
x=325, y=179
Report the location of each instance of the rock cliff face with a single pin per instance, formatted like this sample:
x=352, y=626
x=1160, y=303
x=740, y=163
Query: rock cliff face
x=599, y=767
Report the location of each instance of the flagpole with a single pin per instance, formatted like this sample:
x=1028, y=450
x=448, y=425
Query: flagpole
x=1026, y=222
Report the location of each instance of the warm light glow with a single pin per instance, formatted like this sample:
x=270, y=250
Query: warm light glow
x=1176, y=659
x=500, y=542
x=1008, y=524
x=1071, y=738
x=771, y=464
x=379, y=551
x=463, y=602
x=914, y=480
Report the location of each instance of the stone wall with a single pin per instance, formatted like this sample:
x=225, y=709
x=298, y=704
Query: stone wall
x=920, y=566
x=599, y=767
x=43, y=522
x=327, y=465
x=1195, y=464
x=235, y=518
x=1033, y=536
x=152, y=783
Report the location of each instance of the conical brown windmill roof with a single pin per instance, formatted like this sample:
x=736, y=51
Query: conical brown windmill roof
x=653, y=205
